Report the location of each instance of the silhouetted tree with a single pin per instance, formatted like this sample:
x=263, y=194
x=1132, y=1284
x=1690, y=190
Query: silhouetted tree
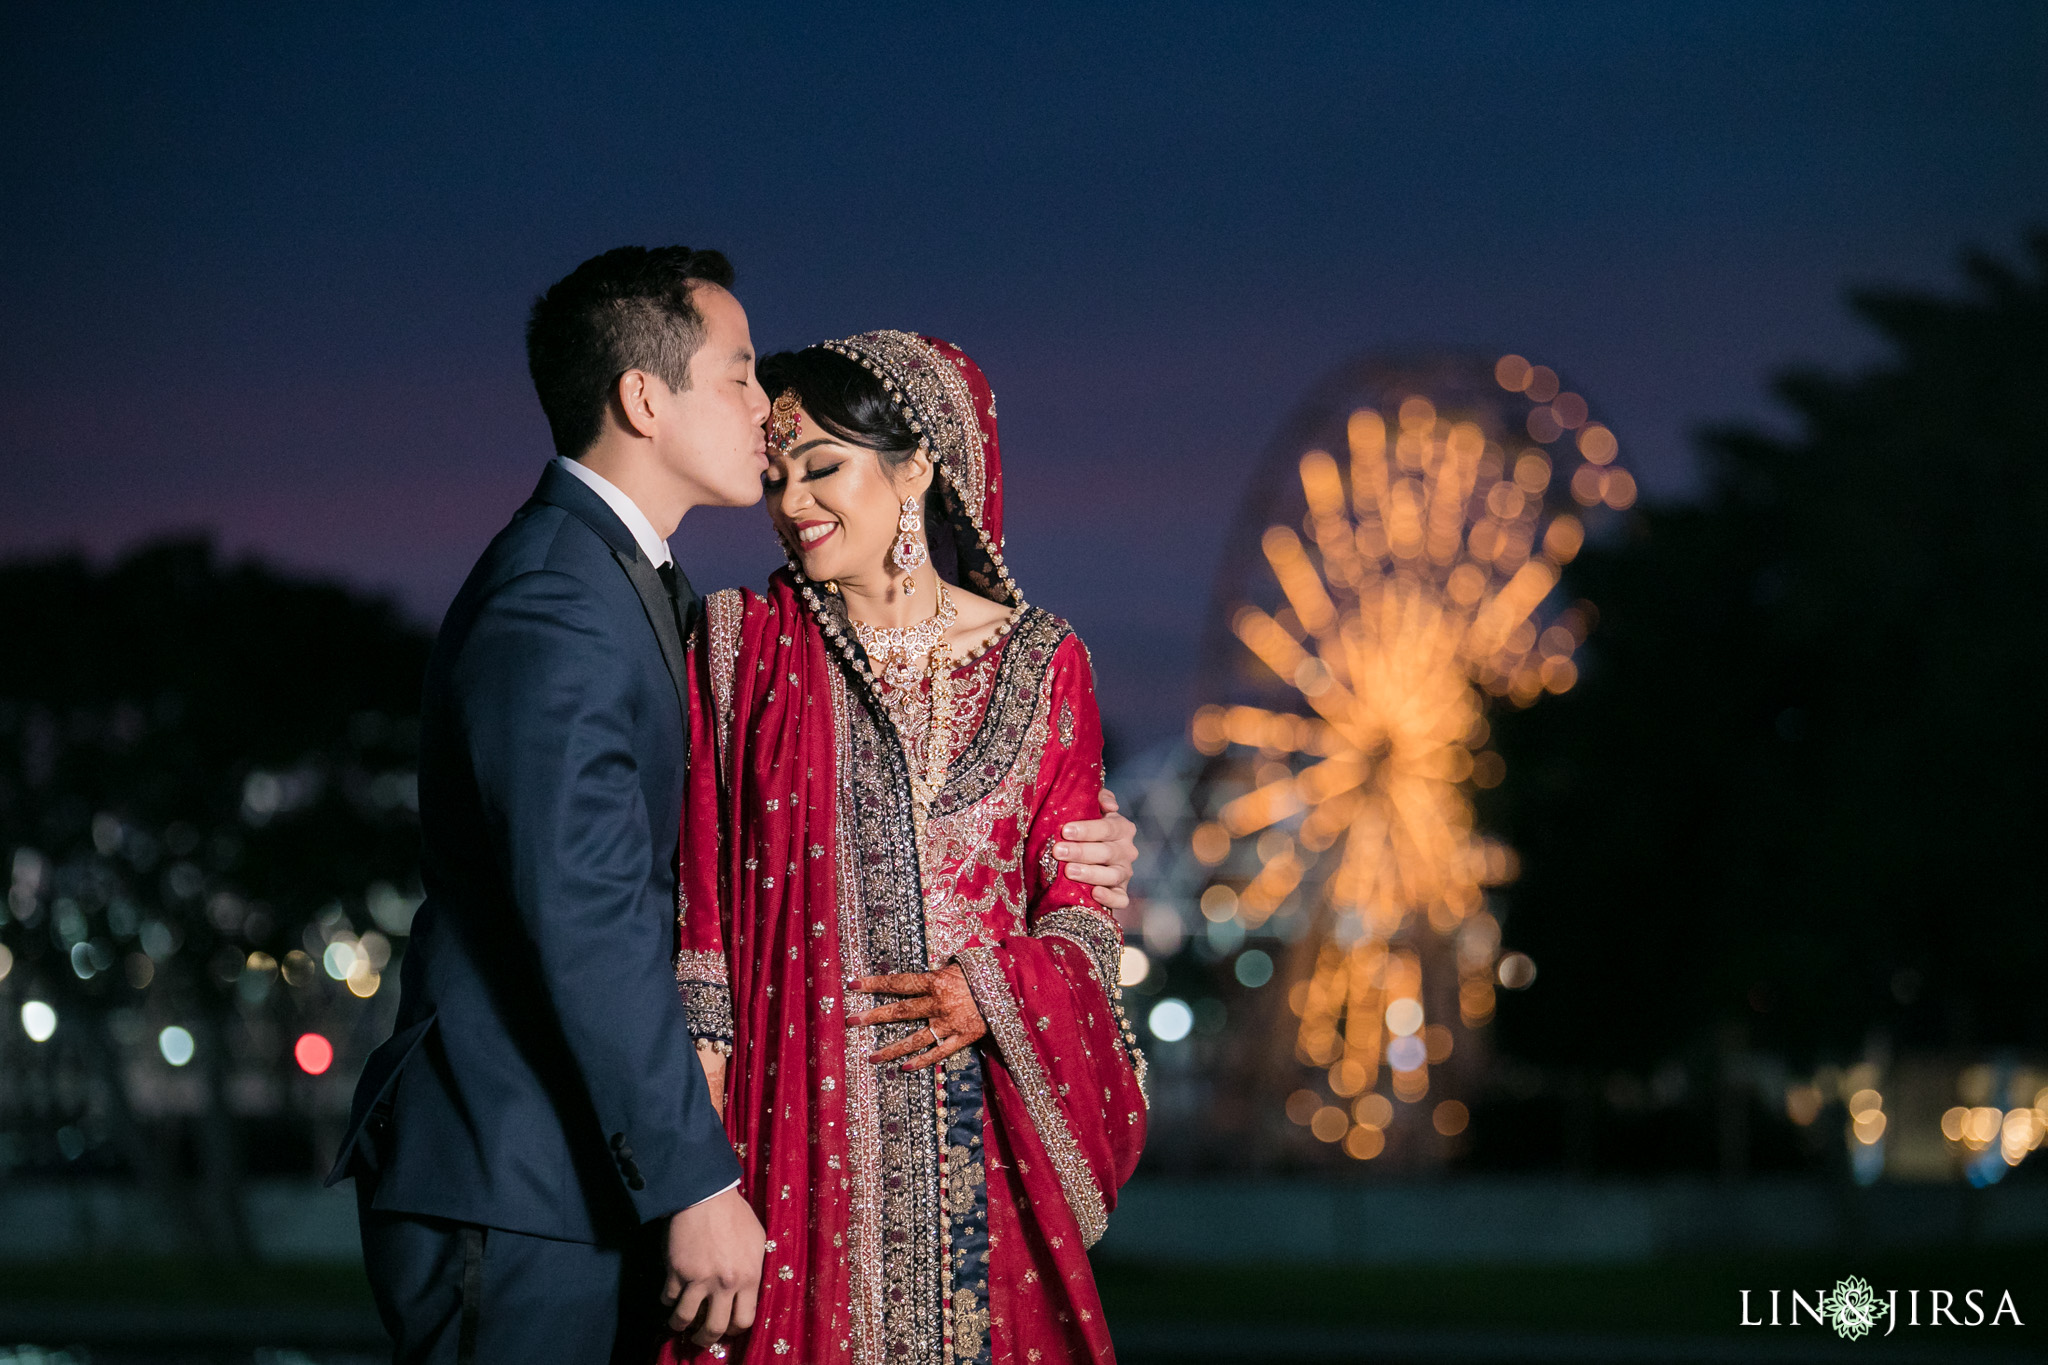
x=206, y=781
x=1798, y=797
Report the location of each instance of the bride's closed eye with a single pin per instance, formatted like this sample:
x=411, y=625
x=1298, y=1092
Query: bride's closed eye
x=810, y=476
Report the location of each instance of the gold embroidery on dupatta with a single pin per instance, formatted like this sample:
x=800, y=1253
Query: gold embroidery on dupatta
x=899, y=1266
x=1009, y=753
x=1098, y=936
x=724, y=611
x=992, y=993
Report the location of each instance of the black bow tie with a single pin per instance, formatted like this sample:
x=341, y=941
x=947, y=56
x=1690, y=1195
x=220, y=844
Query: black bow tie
x=668, y=577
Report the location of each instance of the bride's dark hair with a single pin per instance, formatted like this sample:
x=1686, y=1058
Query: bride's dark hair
x=842, y=396
x=846, y=399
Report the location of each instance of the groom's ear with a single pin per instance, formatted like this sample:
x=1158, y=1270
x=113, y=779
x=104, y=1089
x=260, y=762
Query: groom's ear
x=634, y=400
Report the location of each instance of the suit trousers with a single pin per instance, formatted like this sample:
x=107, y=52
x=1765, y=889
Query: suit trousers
x=456, y=1294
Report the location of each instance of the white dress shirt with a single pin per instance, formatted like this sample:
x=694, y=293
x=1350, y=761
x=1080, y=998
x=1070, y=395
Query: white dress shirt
x=651, y=545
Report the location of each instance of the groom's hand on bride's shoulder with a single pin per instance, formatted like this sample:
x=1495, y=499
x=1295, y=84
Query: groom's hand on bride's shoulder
x=1101, y=853
x=714, y=1267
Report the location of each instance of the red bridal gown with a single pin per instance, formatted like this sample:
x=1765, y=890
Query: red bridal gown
x=940, y=1215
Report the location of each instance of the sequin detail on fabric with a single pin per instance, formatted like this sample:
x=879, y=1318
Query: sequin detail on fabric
x=999, y=1008
x=966, y=1200
x=992, y=755
x=707, y=995
x=908, y=1273
x=724, y=613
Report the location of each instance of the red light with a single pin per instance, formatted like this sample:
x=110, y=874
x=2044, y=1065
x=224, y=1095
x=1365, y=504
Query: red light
x=313, y=1053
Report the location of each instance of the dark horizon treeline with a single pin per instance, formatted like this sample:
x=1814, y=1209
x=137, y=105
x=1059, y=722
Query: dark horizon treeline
x=206, y=777
x=1795, y=807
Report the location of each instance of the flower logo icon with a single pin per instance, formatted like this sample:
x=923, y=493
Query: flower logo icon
x=1853, y=1308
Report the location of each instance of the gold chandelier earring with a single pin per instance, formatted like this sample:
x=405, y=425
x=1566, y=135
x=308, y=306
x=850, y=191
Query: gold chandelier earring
x=909, y=554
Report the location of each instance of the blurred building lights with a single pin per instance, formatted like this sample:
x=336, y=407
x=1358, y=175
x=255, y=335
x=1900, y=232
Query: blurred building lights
x=340, y=958
x=1363, y=1143
x=1254, y=968
x=1211, y=842
x=1373, y=1110
x=1132, y=966
x=1170, y=1020
x=38, y=1021
x=6, y=961
x=313, y=1053
x=1407, y=1054
x=1517, y=971
x=1225, y=936
x=1803, y=1104
x=175, y=1044
x=1404, y=1016
x=1219, y=903
x=1450, y=1118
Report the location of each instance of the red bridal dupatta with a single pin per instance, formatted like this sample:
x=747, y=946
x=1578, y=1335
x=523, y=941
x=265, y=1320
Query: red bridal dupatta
x=940, y=1216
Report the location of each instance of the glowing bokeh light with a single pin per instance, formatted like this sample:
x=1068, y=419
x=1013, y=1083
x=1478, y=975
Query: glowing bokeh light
x=313, y=1053
x=339, y=959
x=1418, y=589
x=1170, y=1020
x=176, y=1045
x=38, y=1021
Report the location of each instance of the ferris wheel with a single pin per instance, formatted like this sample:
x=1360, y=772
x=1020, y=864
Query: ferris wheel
x=1394, y=575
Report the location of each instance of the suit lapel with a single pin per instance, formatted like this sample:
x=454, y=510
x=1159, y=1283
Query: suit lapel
x=564, y=490
x=661, y=614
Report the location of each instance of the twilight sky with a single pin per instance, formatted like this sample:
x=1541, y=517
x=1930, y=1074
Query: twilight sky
x=266, y=272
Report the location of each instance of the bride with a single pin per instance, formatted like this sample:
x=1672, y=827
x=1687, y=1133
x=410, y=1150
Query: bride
x=908, y=1009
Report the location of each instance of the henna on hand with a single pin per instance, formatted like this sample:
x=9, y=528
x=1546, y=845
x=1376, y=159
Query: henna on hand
x=941, y=998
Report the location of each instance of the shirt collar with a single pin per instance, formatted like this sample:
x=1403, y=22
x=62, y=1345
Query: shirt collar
x=651, y=545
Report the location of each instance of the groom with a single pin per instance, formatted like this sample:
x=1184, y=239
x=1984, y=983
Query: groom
x=539, y=1169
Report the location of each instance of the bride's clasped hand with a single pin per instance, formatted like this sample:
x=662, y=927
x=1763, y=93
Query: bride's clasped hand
x=941, y=999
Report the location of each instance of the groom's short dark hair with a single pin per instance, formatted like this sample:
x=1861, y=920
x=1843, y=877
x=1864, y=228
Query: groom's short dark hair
x=629, y=309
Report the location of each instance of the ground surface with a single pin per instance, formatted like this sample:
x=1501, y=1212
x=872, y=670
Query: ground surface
x=192, y=1313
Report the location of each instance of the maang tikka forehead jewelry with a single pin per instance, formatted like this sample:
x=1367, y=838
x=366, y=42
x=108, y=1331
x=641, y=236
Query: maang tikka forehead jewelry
x=785, y=421
x=909, y=552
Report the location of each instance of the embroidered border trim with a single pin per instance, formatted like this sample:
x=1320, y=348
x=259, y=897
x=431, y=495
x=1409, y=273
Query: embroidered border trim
x=878, y=827
x=916, y=374
x=724, y=611
x=707, y=995
x=991, y=991
x=1033, y=642
x=1098, y=936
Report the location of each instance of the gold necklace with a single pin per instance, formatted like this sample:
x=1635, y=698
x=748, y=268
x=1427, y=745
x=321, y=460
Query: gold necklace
x=895, y=651
x=903, y=657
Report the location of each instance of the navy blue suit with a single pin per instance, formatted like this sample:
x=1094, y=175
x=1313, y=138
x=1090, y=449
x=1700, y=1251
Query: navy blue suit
x=539, y=1107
